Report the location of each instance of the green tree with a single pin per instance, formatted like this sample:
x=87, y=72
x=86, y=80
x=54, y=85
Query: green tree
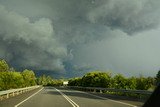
x=4, y=66
x=144, y=83
x=45, y=80
x=13, y=79
x=158, y=78
x=75, y=82
x=29, y=77
x=119, y=82
x=42, y=80
x=17, y=80
x=57, y=82
x=49, y=80
x=131, y=83
x=96, y=79
x=3, y=80
x=9, y=80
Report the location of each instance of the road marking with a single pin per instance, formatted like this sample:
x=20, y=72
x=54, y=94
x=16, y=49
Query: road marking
x=28, y=98
x=68, y=99
x=109, y=99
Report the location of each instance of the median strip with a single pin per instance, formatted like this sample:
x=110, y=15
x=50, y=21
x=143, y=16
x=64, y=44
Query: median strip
x=68, y=99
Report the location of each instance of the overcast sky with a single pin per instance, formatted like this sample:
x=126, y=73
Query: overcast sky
x=72, y=37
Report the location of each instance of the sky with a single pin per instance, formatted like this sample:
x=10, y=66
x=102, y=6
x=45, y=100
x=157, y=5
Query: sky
x=72, y=37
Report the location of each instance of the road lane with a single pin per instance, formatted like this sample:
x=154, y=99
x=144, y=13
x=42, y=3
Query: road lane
x=28, y=97
x=88, y=100
x=60, y=97
x=10, y=102
x=68, y=99
x=48, y=97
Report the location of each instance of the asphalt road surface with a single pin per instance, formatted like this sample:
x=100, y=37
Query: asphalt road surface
x=60, y=97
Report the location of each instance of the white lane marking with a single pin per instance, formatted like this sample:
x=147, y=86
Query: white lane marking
x=28, y=98
x=68, y=99
x=110, y=99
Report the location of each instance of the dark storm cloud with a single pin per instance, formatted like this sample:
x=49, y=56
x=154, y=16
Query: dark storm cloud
x=131, y=16
x=42, y=33
x=29, y=44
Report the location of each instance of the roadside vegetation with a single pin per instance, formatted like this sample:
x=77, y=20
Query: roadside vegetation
x=11, y=79
x=118, y=81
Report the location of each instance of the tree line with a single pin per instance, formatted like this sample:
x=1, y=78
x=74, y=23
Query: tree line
x=119, y=81
x=10, y=78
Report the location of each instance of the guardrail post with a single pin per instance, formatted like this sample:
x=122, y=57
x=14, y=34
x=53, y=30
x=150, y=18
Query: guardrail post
x=94, y=90
x=100, y=91
x=16, y=92
x=0, y=98
x=13, y=93
x=7, y=95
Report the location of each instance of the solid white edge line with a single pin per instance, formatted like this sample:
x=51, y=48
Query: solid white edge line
x=72, y=101
x=110, y=99
x=68, y=99
x=28, y=98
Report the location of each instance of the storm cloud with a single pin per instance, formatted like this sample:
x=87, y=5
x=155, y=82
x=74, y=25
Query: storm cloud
x=128, y=15
x=54, y=34
x=30, y=44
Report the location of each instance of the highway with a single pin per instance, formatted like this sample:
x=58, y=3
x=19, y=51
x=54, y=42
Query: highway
x=61, y=97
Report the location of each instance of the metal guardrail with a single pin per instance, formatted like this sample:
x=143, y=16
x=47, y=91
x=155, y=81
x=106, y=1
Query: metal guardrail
x=13, y=92
x=95, y=89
